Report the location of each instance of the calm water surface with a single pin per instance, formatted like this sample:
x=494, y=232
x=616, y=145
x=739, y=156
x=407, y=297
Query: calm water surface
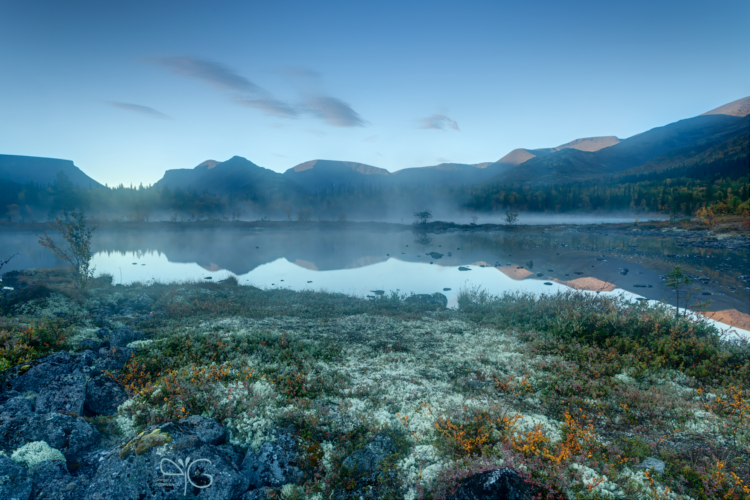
x=359, y=262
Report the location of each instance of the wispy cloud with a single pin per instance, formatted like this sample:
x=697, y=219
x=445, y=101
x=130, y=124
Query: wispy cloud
x=372, y=138
x=439, y=122
x=142, y=110
x=246, y=93
x=270, y=106
x=334, y=111
x=211, y=72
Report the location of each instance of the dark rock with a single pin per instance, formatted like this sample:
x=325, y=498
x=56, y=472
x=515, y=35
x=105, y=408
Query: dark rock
x=436, y=299
x=366, y=460
x=378, y=292
x=539, y=275
x=112, y=359
x=124, y=336
x=435, y=255
x=66, y=394
x=92, y=344
x=53, y=481
x=206, y=430
x=498, y=484
x=548, y=283
x=143, y=302
x=19, y=426
x=103, y=396
x=102, y=333
x=530, y=264
x=463, y=268
x=43, y=372
x=270, y=467
x=15, y=481
x=259, y=494
x=446, y=289
x=137, y=471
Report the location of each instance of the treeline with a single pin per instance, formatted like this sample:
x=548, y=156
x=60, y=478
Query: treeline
x=678, y=196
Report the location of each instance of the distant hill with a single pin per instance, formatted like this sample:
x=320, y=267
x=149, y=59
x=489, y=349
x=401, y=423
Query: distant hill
x=43, y=171
x=520, y=155
x=236, y=175
x=740, y=107
x=723, y=154
x=316, y=175
x=448, y=173
x=572, y=165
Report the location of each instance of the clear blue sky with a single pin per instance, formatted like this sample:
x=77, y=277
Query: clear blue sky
x=129, y=89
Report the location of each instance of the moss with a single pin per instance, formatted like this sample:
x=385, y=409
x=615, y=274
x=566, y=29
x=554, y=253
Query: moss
x=36, y=452
x=144, y=442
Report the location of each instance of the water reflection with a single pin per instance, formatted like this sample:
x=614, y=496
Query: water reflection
x=356, y=261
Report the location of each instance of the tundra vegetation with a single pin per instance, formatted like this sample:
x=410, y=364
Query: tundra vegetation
x=573, y=391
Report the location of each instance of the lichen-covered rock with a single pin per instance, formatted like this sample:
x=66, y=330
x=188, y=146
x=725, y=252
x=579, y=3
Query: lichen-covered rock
x=15, y=480
x=112, y=359
x=436, y=299
x=19, y=426
x=39, y=375
x=207, y=430
x=103, y=396
x=271, y=466
x=259, y=494
x=66, y=394
x=498, y=484
x=157, y=468
x=368, y=458
x=123, y=336
x=52, y=481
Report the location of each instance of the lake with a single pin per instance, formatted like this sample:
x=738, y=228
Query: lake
x=363, y=259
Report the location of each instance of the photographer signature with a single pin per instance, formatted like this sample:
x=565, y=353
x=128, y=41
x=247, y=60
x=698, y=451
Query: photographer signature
x=184, y=470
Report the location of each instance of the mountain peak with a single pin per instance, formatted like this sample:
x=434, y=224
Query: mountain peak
x=328, y=164
x=740, y=107
x=590, y=143
x=208, y=164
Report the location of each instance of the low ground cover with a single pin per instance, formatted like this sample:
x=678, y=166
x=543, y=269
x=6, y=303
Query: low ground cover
x=573, y=391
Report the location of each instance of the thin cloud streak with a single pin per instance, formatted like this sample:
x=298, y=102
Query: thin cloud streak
x=142, y=110
x=270, y=106
x=439, y=122
x=213, y=73
x=331, y=110
x=334, y=111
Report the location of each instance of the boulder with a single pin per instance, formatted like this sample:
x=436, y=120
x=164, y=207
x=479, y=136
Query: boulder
x=498, y=484
x=436, y=299
x=112, y=359
x=19, y=426
x=367, y=459
x=66, y=395
x=166, y=461
x=40, y=374
x=123, y=336
x=206, y=430
x=103, y=396
x=15, y=481
x=52, y=481
x=271, y=466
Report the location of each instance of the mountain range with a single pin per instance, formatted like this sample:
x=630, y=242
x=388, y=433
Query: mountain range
x=681, y=148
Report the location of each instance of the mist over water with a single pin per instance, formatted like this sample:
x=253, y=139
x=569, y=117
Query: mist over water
x=400, y=258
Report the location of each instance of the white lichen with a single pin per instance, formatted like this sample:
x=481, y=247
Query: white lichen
x=35, y=453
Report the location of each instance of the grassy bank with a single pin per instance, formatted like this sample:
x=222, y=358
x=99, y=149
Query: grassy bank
x=573, y=391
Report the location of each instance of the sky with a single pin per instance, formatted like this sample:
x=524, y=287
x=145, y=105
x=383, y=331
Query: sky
x=130, y=89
